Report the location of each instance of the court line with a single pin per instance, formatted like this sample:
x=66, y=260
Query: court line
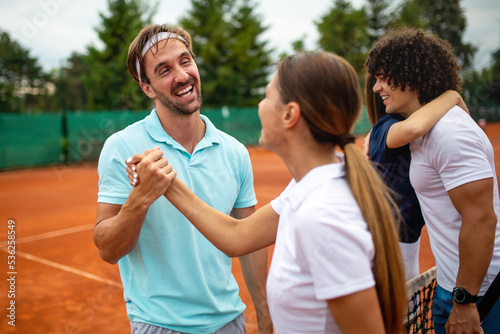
x=66, y=268
x=52, y=234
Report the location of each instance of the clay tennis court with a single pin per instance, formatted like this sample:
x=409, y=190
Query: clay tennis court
x=59, y=281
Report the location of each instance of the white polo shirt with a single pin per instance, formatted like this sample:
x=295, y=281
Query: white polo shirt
x=323, y=251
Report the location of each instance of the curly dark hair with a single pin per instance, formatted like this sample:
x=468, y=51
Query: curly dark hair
x=419, y=60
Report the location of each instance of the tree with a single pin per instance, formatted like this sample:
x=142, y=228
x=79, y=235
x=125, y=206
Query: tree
x=107, y=83
x=409, y=14
x=495, y=77
x=232, y=60
x=446, y=19
x=249, y=56
x=478, y=90
x=343, y=31
x=299, y=45
x=72, y=92
x=22, y=80
x=377, y=20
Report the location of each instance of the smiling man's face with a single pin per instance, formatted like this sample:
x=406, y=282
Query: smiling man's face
x=174, y=78
x=396, y=100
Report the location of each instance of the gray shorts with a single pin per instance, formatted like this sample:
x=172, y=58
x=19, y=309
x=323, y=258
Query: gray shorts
x=237, y=326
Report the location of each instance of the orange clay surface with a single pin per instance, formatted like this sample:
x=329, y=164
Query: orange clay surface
x=61, y=284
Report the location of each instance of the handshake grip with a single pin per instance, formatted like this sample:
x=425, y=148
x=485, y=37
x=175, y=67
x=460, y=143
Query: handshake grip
x=155, y=162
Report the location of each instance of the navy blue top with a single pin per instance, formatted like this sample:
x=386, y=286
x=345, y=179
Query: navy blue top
x=394, y=164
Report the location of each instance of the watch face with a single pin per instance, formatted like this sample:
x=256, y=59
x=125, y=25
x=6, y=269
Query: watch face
x=459, y=295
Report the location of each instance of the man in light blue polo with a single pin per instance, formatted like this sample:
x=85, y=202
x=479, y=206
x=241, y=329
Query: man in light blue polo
x=175, y=281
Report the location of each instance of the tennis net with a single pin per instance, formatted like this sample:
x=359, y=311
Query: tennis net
x=420, y=292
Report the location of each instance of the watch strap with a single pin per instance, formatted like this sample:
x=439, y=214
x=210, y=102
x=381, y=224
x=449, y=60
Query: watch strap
x=462, y=296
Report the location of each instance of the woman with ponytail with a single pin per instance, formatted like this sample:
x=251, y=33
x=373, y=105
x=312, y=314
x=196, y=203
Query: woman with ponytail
x=337, y=266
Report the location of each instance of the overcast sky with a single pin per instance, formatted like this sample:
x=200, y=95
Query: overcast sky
x=53, y=29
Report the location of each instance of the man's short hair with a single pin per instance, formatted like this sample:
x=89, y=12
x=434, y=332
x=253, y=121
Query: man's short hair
x=136, y=47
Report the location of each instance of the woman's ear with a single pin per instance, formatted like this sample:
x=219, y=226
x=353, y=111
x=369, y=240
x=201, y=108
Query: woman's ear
x=291, y=115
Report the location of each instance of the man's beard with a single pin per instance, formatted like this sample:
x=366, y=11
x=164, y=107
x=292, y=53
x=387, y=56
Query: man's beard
x=180, y=108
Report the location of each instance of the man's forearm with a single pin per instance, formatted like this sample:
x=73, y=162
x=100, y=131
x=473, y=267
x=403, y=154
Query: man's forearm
x=254, y=268
x=476, y=245
x=474, y=202
x=118, y=228
x=475, y=252
x=117, y=235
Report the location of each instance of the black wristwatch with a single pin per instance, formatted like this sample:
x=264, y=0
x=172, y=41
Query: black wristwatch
x=462, y=296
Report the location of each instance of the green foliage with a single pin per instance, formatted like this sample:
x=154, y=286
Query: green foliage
x=21, y=78
x=350, y=32
x=477, y=89
x=232, y=60
x=407, y=14
x=299, y=45
x=106, y=80
x=495, y=77
x=377, y=18
x=343, y=31
x=73, y=94
x=98, y=79
x=447, y=20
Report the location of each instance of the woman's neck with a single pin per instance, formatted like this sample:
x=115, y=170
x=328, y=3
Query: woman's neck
x=303, y=156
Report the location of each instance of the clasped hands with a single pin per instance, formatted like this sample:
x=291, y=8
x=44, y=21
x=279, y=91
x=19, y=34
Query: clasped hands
x=154, y=171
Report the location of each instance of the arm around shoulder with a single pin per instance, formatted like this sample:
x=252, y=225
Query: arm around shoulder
x=420, y=122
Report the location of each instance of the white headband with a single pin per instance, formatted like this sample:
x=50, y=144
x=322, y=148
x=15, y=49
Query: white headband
x=152, y=41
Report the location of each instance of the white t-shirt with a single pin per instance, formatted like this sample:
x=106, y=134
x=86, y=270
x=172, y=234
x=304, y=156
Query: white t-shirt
x=455, y=152
x=323, y=251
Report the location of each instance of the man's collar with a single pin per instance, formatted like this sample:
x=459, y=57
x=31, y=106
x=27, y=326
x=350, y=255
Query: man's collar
x=158, y=133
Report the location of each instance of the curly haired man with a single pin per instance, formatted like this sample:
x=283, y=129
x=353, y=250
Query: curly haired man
x=452, y=171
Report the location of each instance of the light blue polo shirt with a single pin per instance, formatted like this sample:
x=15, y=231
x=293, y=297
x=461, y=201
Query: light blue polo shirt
x=174, y=277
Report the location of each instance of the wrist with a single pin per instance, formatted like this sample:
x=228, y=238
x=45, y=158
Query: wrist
x=461, y=296
x=264, y=321
x=137, y=202
x=265, y=325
